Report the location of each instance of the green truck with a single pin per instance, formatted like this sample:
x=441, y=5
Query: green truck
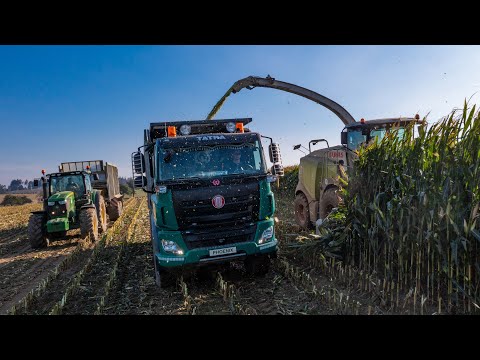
x=209, y=195
x=75, y=197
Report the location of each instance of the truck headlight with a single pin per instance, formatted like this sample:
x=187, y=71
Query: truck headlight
x=51, y=203
x=230, y=127
x=171, y=247
x=267, y=235
x=62, y=202
x=185, y=129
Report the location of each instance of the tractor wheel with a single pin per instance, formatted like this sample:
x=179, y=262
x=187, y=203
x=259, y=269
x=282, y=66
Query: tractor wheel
x=37, y=232
x=257, y=266
x=302, y=213
x=116, y=209
x=89, y=224
x=330, y=200
x=101, y=213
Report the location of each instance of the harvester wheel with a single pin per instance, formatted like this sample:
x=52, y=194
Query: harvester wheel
x=89, y=224
x=37, y=232
x=116, y=209
x=302, y=213
x=330, y=200
x=101, y=213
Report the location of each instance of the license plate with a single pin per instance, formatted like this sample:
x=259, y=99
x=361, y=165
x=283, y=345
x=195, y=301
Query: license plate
x=224, y=251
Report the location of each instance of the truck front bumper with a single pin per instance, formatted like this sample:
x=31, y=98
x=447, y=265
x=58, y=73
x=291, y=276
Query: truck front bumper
x=202, y=256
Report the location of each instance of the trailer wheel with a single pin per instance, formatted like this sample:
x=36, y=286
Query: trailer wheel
x=89, y=224
x=101, y=213
x=302, y=213
x=37, y=232
x=329, y=200
x=116, y=209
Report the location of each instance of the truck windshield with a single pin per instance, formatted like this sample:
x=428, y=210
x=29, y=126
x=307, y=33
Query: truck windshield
x=210, y=161
x=67, y=183
x=358, y=137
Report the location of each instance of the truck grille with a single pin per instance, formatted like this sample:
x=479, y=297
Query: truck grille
x=203, y=225
x=211, y=239
x=237, y=211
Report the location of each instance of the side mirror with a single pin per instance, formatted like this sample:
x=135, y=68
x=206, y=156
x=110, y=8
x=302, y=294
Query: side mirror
x=343, y=138
x=274, y=152
x=277, y=170
x=296, y=147
x=139, y=181
x=36, y=183
x=138, y=162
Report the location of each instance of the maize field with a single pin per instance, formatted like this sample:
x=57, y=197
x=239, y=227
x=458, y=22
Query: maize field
x=404, y=242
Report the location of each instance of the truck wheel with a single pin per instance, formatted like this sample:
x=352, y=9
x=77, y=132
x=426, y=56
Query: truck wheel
x=163, y=278
x=101, y=213
x=89, y=224
x=116, y=209
x=257, y=266
x=302, y=213
x=36, y=231
x=330, y=200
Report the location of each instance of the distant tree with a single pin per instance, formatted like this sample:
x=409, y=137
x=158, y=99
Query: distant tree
x=126, y=189
x=16, y=185
x=26, y=183
x=30, y=185
x=3, y=189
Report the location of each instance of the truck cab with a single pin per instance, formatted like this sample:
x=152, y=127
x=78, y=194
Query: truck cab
x=209, y=194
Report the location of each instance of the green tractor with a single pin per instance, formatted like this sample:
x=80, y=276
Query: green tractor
x=69, y=202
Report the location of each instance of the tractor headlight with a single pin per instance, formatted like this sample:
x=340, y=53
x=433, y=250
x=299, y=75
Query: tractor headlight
x=62, y=202
x=267, y=235
x=171, y=247
x=51, y=203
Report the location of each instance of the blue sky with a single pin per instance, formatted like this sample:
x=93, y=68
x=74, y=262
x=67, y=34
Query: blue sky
x=70, y=103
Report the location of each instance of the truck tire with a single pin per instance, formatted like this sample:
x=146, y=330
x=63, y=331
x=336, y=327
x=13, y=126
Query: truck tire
x=116, y=209
x=89, y=224
x=101, y=213
x=163, y=278
x=329, y=200
x=302, y=212
x=36, y=231
x=257, y=265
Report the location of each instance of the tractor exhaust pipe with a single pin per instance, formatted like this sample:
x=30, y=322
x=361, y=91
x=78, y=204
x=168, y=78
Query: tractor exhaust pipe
x=45, y=193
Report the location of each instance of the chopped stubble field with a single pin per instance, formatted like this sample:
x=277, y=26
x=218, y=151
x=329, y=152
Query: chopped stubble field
x=114, y=276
